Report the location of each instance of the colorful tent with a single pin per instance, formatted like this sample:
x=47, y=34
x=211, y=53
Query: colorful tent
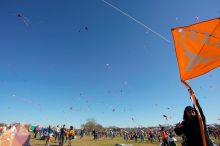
x=198, y=52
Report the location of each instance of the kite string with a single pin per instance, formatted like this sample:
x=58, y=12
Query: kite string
x=137, y=21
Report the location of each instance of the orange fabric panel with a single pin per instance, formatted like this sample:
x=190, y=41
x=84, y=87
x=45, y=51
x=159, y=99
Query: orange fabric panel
x=197, y=48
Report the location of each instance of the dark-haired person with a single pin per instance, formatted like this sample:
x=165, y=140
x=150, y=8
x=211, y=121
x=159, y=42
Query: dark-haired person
x=190, y=127
x=62, y=135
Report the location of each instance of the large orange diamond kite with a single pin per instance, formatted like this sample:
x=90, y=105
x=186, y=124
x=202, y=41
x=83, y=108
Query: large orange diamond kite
x=197, y=48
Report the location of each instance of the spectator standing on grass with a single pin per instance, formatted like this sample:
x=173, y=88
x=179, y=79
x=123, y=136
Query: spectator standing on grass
x=94, y=133
x=164, y=135
x=151, y=134
x=81, y=133
x=57, y=134
x=62, y=135
x=135, y=136
x=71, y=135
x=172, y=140
x=158, y=136
x=142, y=135
x=49, y=135
x=36, y=130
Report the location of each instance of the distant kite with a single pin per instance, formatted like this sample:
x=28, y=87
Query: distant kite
x=108, y=65
x=23, y=18
x=84, y=28
x=165, y=117
x=197, y=18
x=121, y=91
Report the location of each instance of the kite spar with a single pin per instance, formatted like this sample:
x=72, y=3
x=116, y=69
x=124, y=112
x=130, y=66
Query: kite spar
x=198, y=52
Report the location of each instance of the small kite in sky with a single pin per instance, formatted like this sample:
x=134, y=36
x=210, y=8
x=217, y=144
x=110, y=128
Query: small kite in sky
x=132, y=119
x=71, y=108
x=168, y=108
x=165, y=116
x=177, y=18
x=113, y=110
x=23, y=18
x=197, y=18
x=121, y=91
x=108, y=65
x=81, y=29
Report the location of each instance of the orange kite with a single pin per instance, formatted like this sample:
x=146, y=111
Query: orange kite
x=197, y=48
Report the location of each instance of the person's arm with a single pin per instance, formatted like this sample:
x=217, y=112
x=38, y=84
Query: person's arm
x=201, y=111
x=179, y=129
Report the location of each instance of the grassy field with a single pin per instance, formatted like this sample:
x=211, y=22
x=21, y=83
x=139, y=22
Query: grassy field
x=88, y=141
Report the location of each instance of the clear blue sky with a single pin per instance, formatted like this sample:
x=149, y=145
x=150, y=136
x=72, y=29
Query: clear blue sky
x=49, y=66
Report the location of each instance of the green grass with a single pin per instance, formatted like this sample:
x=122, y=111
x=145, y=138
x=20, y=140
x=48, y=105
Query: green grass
x=88, y=141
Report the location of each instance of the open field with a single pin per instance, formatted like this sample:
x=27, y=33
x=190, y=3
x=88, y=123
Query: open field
x=88, y=141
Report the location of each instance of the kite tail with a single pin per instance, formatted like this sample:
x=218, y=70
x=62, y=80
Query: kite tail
x=201, y=124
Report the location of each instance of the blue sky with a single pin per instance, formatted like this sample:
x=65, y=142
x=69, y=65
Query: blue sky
x=49, y=66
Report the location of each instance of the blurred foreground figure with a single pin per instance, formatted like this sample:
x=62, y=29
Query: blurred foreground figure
x=190, y=127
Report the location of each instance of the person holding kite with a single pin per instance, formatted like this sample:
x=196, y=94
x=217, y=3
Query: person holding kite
x=190, y=127
x=198, y=52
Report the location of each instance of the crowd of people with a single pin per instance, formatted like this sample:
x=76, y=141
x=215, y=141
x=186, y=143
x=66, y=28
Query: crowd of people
x=62, y=135
x=164, y=135
x=189, y=129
